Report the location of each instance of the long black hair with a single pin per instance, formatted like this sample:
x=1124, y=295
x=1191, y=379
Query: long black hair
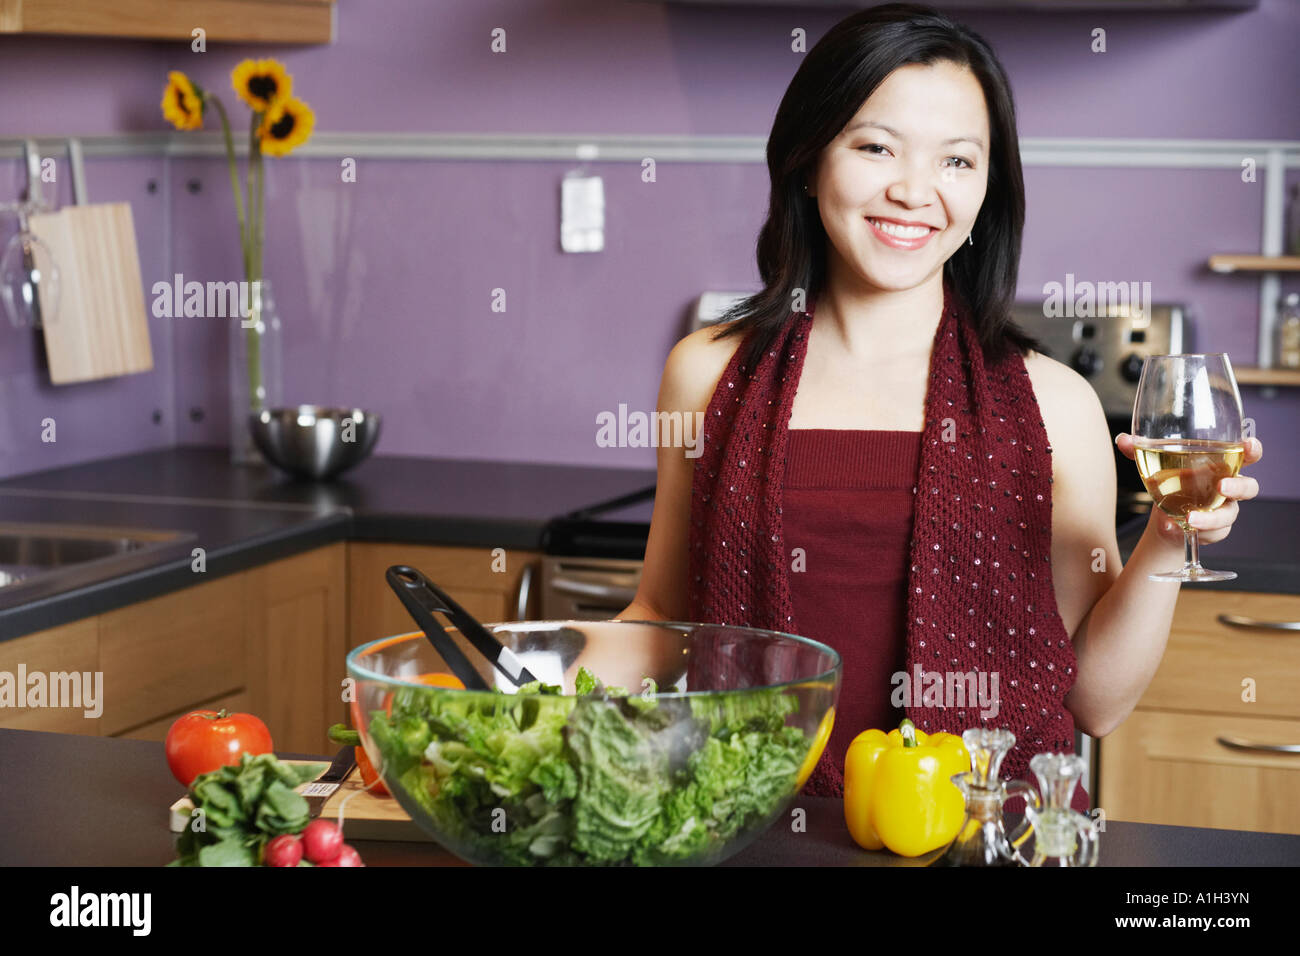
x=836, y=77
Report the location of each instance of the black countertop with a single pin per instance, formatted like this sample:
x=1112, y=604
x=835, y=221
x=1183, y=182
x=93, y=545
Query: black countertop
x=1263, y=548
x=116, y=815
x=246, y=515
x=440, y=500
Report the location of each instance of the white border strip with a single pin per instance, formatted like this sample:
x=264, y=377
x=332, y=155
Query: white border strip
x=1182, y=153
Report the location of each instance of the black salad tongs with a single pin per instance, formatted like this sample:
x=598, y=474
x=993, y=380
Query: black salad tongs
x=423, y=599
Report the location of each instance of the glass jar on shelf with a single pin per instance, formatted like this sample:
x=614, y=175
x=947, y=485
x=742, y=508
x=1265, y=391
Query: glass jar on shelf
x=1288, y=333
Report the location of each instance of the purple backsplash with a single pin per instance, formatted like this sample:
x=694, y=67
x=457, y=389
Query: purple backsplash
x=384, y=285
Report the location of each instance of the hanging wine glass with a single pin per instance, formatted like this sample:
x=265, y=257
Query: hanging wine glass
x=29, y=277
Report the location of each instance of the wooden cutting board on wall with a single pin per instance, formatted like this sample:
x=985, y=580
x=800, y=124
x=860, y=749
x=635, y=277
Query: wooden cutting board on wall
x=101, y=327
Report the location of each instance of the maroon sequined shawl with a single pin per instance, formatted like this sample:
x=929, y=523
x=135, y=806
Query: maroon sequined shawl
x=980, y=595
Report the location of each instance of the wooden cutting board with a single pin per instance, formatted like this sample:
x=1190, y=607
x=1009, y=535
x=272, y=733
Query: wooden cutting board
x=365, y=816
x=100, y=326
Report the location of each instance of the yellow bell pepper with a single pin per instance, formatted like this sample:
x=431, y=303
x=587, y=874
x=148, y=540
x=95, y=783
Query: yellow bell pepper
x=815, y=752
x=898, y=789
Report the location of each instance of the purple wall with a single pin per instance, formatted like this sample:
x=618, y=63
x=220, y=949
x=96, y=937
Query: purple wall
x=384, y=284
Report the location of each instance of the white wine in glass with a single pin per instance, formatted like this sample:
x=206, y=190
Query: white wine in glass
x=1187, y=439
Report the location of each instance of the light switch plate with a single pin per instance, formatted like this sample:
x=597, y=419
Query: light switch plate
x=582, y=213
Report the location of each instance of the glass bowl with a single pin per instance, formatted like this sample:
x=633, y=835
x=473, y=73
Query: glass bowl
x=695, y=743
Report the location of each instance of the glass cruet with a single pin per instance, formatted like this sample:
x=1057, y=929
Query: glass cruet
x=1062, y=836
x=982, y=839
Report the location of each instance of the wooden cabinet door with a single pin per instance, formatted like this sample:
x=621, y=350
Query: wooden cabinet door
x=1170, y=768
x=236, y=703
x=469, y=575
x=172, y=652
x=67, y=649
x=296, y=642
x=1246, y=664
x=1237, y=678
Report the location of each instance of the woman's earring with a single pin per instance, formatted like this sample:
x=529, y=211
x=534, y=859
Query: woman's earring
x=970, y=238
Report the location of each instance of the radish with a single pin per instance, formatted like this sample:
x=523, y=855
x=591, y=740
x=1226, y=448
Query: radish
x=321, y=841
x=348, y=856
x=284, y=850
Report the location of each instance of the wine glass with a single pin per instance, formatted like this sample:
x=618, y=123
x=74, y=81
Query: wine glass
x=1187, y=439
x=29, y=278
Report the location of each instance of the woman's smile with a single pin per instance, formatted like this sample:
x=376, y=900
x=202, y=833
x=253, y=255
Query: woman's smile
x=897, y=235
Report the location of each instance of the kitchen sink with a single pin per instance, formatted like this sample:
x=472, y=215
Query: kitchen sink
x=55, y=557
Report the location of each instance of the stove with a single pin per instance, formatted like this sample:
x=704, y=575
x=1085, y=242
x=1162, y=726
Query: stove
x=592, y=558
x=1107, y=348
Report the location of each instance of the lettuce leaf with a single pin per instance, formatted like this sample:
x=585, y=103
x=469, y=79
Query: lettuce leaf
x=599, y=778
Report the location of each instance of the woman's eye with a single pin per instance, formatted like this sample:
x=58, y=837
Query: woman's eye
x=872, y=146
x=962, y=160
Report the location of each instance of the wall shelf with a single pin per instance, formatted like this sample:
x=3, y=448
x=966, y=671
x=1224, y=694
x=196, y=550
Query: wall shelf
x=1254, y=263
x=1271, y=262
x=243, y=21
x=1253, y=375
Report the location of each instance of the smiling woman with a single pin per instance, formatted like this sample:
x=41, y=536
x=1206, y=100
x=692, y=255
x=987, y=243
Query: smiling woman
x=879, y=467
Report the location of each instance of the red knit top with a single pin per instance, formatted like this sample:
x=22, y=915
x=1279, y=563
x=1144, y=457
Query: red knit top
x=848, y=505
x=978, y=600
x=844, y=487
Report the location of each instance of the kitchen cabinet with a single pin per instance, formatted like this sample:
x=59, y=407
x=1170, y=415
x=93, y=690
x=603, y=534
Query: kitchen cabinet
x=296, y=632
x=1166, y=763
x=270, y=640
x=253, y=21
x=172, y=652
x=156, y=730
x=484, y=581
x=68, y=648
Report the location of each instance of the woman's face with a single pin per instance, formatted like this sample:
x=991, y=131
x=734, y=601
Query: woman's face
x=916, y=152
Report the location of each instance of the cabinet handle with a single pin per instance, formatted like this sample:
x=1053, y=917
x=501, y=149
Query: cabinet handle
x=524, y=592
x=1240, y=620
x=1236, y=743
x=583, y=589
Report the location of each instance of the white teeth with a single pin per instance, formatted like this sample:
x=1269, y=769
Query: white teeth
x=902, y=232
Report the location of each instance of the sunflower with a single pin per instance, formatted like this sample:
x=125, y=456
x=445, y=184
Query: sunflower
x=262, y=84
x=287, y=125
x=182, y=102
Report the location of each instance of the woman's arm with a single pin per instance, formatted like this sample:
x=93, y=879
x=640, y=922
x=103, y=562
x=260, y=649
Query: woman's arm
x=1121, y=640
x=1120, y=643
x=691, y=373
x=1118, y=619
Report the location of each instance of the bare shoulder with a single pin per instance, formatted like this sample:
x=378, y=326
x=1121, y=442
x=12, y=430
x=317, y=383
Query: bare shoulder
x=694, y=368
x=1070, y=405
x=1083, y=465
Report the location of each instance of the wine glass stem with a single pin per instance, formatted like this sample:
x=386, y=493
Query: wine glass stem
x=1192, y=549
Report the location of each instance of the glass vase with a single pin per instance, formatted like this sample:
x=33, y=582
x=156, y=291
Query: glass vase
x=256, y=380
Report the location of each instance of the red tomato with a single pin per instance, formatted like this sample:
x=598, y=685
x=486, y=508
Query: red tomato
x=204, y=740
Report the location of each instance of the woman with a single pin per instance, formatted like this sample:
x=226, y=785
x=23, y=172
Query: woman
x=890, y=465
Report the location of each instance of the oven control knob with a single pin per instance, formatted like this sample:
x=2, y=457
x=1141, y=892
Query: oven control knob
x=1131, y=367
x=1086, y=362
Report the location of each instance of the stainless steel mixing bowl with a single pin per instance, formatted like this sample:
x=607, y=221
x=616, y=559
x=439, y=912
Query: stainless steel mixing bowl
x=312, y=441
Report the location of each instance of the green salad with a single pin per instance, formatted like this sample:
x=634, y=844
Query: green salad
x=600, y=778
